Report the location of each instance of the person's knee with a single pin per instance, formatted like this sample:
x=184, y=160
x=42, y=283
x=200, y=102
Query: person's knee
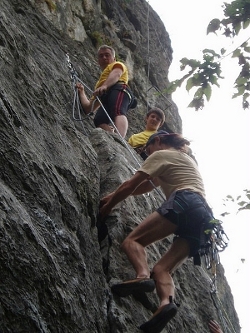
x=121, y=123
x=125, y=245
x=162, y=276
x=157, y=270
x=128, y=245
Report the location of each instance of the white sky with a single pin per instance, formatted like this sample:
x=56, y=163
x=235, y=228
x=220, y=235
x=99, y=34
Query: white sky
x=220, y=133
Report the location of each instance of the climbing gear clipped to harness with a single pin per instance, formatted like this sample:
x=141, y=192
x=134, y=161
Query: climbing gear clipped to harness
x=213, y=241
x=217, y=242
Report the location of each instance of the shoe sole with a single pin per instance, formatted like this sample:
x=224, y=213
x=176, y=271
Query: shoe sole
x=126, y=289
x=158, y=322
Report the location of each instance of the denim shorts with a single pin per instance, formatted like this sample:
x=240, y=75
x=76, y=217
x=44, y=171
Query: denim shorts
x=191, y=213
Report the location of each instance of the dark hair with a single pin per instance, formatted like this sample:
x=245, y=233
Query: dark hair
x=175, y=140
x=159, y=112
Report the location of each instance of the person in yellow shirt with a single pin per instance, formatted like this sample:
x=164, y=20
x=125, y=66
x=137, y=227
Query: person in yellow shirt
x=112, y=90
x=154, y=120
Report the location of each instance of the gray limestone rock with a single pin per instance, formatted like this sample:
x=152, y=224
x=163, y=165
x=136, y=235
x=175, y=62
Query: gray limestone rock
x=56, y=268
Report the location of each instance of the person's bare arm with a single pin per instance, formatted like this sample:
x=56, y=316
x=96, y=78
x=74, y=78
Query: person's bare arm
x=85, y=102
x=146, y=186
x=113, y=77
x=121, y=193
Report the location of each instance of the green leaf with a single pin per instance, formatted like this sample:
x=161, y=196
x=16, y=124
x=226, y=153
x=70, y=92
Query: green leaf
x=213, y=26
x=247, y=206
x=241, y=80
x=214, y=80
x=237, y=28
x=197, y=104
x=190, y=84
x=236, y=53
x=199, y=93
x=222, y=51
x=235, y=95
x=242, y=203
x=241, y=89
x=172, y=87
x=246, y=24
x=247, y=49
x=210, y=52
x=224, y=214
x=208, y=92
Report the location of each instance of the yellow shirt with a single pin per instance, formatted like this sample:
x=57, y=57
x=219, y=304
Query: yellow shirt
x=140, y=139
x=175, y=171
x=105, y=73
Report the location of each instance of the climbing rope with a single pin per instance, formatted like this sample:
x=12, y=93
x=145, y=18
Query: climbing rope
x=221, y=312
x=76, y=100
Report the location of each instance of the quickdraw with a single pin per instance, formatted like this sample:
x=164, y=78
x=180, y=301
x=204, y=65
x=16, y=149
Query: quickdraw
x=76, y=107
x=216, y=243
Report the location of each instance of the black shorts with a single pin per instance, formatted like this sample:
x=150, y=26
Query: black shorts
x=191, y=213
x=116, y=103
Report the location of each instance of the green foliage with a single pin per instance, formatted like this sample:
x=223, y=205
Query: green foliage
x=243, y=201
x=205, y=74
x=242, y=83
x=237, y=17
x=202, y=75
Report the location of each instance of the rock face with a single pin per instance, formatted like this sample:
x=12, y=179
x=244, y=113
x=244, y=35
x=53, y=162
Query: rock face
x=55, y=267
